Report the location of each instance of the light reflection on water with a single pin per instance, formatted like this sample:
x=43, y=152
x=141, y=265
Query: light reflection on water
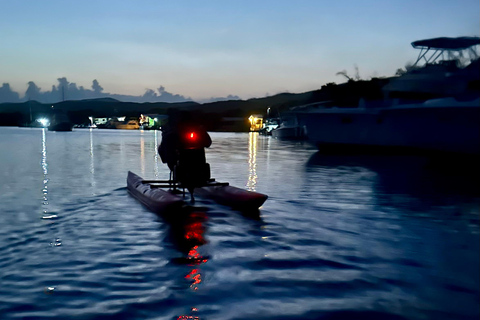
x=45, y=174
x=142, y=153
x=339, y=236
x=252, y=161
x=155, y=157
x=92, y=161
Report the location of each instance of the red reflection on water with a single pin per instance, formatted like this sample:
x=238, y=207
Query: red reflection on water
x=185, y=317
x=194, y=228
x=196, y=277
x=194, y=231
x=188, y=317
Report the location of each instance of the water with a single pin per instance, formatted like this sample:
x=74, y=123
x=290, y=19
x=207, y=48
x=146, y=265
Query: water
x=340, y=237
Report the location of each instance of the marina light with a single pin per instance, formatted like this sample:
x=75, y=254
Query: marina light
x=43, y=121
x=256, y=122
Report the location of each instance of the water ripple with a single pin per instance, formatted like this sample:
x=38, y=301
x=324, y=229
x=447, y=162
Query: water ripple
x=338, y=238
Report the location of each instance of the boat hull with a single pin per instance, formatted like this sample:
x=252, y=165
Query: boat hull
x=444, y=125
x=288, y=133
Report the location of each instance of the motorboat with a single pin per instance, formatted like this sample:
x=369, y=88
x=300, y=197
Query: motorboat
x=289, y=128
x=433, y=106
x=269, y=125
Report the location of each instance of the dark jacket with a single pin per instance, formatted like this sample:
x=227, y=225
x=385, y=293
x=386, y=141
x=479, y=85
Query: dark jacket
x=181, y=137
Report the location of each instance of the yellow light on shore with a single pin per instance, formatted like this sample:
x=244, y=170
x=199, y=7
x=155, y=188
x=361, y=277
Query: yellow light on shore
x=256, y=122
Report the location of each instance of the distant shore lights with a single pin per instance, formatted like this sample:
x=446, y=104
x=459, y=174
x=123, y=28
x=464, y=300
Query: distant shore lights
x=256, y=122
x=44, y=122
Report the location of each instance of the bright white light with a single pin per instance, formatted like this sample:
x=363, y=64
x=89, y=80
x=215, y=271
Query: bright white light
x=43, y=121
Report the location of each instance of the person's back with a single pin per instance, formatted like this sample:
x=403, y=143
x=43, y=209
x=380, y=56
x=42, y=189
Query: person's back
x=183, y=149
x=192, y=168
x=167, y=148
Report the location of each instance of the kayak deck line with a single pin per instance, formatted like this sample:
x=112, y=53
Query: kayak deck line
x=176, y=184
x=152, y=194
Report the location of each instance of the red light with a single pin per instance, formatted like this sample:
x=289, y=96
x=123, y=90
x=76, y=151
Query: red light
x=192, y=136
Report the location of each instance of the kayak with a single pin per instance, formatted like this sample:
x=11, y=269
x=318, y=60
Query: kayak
x=231, y=196
x=153, y=195
x=156, y=199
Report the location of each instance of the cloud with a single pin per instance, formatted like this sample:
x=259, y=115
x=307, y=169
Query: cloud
x=7, y=94
x=227, y=98
x=66, y=90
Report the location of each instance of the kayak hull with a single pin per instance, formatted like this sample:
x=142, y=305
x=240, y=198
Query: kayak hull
x=159, y=200
x=156, y=199
x=234, y=197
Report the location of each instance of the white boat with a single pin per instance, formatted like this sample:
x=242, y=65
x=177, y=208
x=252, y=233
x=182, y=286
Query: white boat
x=431, y=107
x=289, y=129
x=269, y=125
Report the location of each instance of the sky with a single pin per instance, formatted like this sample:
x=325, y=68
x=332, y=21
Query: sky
x=204, y=49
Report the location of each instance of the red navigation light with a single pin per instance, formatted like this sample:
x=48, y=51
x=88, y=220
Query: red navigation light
x=192, y=136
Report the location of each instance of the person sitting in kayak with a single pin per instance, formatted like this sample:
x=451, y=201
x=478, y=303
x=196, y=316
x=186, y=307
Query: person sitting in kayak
x=183, y=150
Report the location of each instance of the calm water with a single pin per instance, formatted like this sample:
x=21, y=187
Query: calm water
x=340, y=237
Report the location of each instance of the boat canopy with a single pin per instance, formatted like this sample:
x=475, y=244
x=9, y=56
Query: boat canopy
x=445, y=43
x=461, y=49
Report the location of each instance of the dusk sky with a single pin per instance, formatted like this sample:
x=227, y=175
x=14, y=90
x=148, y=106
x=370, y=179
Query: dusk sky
x=203, y=49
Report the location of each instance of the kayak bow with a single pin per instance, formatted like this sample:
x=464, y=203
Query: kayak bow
x=156, y=199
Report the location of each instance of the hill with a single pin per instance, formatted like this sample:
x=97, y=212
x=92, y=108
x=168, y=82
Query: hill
x=346, y=94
